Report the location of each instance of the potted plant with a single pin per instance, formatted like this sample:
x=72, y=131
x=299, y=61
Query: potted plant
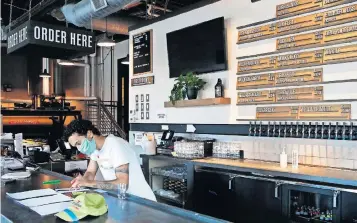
x=186, y=84
x=178, y=92
x=193, y=84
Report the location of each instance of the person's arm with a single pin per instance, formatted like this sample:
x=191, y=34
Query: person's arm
x=122, y=174
x=89, y=175
x=91, y=170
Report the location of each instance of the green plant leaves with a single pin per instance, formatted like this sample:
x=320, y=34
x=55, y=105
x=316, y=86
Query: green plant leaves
x=190, y=79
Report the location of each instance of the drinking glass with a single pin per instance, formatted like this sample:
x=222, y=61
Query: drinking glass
x=122, y=187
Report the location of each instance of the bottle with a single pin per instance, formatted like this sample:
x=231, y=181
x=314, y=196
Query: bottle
x=283, y=159
x=218, y=89
x=295, y=159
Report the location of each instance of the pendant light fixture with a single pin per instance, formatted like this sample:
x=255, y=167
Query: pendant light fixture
x=126, y=60
x=105, y=41
x=44, y=74
x=45, y=66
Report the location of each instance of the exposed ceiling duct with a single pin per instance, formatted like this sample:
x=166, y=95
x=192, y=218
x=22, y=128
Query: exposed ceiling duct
x=81, y=13
x=113, y=24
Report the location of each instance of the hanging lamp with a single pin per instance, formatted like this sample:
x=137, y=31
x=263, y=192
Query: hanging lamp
x=105, y=41
x=126, y=60
x=44, y=74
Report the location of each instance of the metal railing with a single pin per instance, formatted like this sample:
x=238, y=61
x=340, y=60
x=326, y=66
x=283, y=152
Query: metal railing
x=102, y=114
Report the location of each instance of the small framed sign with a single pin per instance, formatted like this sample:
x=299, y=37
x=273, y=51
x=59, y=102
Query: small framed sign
x=139, y=81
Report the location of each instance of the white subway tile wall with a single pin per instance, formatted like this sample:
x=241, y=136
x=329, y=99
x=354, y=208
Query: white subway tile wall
x=327, y=153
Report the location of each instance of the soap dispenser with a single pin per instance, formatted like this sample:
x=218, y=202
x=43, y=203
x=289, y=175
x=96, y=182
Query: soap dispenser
x=283, y=159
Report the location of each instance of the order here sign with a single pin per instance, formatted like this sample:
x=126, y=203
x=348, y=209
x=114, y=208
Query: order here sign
x=47, y=38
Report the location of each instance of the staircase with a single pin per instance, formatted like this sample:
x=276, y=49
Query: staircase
x=102, y=114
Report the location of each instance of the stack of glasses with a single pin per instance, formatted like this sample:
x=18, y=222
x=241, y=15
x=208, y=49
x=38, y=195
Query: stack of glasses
x=189, y=150
x=226, y=150
x=176, y=171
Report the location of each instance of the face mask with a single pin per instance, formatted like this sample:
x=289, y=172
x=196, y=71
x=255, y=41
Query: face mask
x=88, y=147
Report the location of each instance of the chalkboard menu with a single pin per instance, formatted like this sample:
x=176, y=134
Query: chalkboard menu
x=142, y=53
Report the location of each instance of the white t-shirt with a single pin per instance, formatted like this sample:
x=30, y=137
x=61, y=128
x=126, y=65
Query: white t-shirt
x=116, y=152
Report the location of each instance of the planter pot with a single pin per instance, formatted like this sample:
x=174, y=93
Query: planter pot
x=184, y=94
x=192, y=93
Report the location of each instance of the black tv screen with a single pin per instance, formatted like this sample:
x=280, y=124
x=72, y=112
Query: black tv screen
x=199, y=48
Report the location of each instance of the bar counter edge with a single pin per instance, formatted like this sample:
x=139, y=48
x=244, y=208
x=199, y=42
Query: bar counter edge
x=331, y=175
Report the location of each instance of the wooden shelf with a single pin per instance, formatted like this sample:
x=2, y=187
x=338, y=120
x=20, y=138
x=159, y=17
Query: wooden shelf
x=198, y=102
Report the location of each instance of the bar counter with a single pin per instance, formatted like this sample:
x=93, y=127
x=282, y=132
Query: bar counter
x=316, y=174
x=133, y=209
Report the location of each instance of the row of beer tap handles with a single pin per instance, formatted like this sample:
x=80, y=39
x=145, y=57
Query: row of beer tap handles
x=342, y=131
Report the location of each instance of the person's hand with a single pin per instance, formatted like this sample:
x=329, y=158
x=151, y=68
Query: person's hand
x=75, y=183
x=80, y=181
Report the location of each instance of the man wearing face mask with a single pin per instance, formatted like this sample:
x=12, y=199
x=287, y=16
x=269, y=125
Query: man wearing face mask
x=112, y=155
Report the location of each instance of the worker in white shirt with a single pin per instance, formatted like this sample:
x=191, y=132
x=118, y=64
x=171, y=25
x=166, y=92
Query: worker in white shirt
x=112, y=155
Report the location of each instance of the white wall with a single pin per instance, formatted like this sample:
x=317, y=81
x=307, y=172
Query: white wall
x=236, y=13
x=121, y=50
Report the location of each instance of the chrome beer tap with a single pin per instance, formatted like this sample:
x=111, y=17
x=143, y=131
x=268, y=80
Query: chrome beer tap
x=344, y=132
x=336, y=131
x=260, y=129
x=351, y=131
x=250, y=128
x=316, y=130
x=279, y=130
x=297, y=130
x=255, y=128
x=323, y=130
x=329, y=131
x=309, y=130
x=285, y=129
x=303, y=129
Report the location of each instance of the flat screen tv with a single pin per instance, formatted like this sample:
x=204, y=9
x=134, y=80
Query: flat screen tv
x=200, y=48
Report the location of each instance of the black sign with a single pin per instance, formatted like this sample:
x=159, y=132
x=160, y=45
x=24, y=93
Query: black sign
x=142, y=53
x=50, y=41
